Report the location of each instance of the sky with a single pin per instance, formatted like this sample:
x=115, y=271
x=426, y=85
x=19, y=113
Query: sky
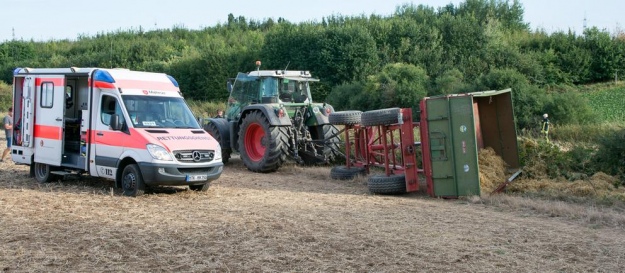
x=42, y=20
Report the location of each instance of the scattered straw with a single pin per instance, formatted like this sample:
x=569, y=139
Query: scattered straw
x=492, y=170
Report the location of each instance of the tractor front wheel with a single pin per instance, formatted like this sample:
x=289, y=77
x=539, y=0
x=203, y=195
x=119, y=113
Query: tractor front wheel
x=213, y=130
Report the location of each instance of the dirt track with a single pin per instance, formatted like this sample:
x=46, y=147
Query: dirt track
x=294, y=220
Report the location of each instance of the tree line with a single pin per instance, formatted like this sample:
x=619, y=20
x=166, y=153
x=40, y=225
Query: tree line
x=364, y=62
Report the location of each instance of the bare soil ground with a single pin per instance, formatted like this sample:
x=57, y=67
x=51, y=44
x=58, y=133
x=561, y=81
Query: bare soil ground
x=296, y=219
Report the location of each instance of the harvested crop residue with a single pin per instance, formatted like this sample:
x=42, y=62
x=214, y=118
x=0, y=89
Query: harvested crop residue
x=492, y=170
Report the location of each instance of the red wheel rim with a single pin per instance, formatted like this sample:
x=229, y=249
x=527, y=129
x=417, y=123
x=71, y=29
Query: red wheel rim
x=253, y=142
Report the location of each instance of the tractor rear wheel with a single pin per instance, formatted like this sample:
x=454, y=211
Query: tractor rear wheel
x=382, y=184
x=263, y=147
x=213, y=130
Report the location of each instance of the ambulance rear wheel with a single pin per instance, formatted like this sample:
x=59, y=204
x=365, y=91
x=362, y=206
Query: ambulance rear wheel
x=132, y=181
x=43, y=173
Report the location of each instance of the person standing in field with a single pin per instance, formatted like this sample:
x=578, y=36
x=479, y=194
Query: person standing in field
x=545, y=127
x=8, y=130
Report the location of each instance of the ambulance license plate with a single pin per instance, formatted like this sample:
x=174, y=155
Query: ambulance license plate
x=197, y=177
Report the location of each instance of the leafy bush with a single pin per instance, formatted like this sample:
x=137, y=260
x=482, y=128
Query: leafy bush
x=6, y=93
x=397, y=85
x=528, y=100
x=204, y=109
x=450, y=82
x=587, y=133
x=568, y=108
x=611, y=154
x=347, y=96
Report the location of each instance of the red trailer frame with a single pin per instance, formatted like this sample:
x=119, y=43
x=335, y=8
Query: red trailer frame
x=389, y=146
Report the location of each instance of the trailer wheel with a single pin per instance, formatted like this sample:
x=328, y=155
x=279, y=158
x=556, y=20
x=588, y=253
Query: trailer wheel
x=43, y=173
x=263, y=147
x=213, y=130
x=203, y=187
x=381, y=117
x=132, y=181
x=343, y=173
x=345, y=117
x=382, y=184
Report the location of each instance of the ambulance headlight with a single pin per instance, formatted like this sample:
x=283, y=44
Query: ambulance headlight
x=217, y=154
x=158, y=152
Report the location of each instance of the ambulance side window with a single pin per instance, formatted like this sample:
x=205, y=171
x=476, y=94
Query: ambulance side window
x=109, y=107
x=47, y=94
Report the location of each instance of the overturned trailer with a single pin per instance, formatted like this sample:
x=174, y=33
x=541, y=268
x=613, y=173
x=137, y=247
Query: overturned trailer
x=439, y=152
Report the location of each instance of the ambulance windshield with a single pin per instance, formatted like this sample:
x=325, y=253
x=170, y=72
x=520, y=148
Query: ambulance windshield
x=159, y=112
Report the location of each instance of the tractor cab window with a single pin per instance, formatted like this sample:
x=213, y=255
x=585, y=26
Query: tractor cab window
x=287, y=89
x=294, y=91
x=269, y=87
x=301, y=92
x=245, y=90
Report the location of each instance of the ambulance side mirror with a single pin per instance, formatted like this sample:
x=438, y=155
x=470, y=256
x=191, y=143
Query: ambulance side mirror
x=114, y=123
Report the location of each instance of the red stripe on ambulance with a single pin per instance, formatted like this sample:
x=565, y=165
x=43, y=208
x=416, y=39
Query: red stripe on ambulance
x=56, y=81
x=49, y=132
x=119, y=139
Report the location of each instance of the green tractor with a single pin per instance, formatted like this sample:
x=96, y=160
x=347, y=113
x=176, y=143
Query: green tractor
x=271, y=117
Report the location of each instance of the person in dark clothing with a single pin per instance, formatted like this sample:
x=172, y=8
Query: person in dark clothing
x=220, y=114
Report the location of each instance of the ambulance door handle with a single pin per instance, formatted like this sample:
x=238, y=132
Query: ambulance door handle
x=59, y=119
x=100, y=134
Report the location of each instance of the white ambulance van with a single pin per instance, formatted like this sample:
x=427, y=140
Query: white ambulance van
x=129, y=126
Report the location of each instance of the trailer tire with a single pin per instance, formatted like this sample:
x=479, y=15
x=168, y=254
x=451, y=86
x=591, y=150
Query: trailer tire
x=43, y=173
x=263, y=147
x=202, y=187
x=343, y=173
x=382, y=184
x=132, y=181
x=213, y=130
x=345, y=117
x=381, y=117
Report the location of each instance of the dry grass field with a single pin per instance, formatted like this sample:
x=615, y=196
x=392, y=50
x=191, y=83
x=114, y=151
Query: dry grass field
x=294, y=220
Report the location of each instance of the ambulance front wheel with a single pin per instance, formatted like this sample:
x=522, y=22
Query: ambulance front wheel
x=203, y=187
x=43, y=173
x=132, y=181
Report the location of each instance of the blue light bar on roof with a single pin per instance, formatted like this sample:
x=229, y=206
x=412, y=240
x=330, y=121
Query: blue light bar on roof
x=173, y=80
x=105, y=76
x=16, y=71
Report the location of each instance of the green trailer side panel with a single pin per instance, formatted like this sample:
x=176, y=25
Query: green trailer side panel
x=440, y=147
x=464, y=145
x=453, y=146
